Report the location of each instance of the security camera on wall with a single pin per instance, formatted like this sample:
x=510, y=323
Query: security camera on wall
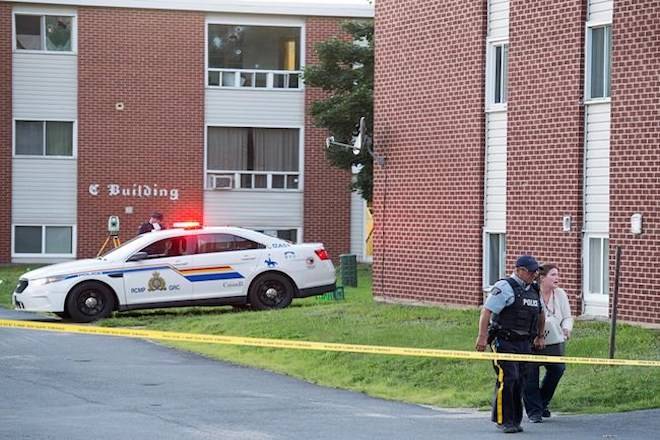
x=356, y=146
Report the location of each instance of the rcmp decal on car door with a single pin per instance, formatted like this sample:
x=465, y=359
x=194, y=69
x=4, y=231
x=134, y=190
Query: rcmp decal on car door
x=159, y=284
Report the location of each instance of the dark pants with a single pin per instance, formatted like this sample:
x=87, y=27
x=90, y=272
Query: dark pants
x=538, y=397
x=507, y=401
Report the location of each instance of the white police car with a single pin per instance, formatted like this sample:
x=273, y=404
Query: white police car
x=180, y=267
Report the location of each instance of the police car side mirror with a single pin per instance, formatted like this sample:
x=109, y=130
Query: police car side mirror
x=138, y=256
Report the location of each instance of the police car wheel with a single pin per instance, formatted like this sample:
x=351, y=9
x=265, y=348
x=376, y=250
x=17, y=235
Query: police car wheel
x=89, y=302
x=270, y=291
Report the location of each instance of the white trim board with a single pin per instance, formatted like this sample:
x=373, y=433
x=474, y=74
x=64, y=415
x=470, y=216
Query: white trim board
x=327, y=8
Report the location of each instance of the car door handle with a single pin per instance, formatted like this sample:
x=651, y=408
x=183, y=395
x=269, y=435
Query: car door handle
x=248, y=257
x=180, y=263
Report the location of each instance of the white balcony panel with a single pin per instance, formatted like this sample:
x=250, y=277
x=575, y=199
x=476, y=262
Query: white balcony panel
x=251, y=108
x=498, y=18
x=495, y=178
x=253, y=209
x=44, y=191
x=597, y=168
x=600, y=10
x=45, y=86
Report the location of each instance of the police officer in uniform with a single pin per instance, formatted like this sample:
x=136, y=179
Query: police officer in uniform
x=155, y=223
x=511, y=320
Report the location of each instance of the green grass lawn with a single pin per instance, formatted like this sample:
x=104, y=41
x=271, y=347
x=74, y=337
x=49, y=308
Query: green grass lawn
x=360, y=320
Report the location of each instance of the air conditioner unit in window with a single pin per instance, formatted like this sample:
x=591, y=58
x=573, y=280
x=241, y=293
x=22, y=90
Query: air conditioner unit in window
x=222, y=182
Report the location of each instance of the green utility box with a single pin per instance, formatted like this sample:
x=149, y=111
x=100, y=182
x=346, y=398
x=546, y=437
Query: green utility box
x=335, y=295
x=348, y=269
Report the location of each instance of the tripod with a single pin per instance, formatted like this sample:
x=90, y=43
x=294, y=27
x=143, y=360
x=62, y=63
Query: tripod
x=115, y=242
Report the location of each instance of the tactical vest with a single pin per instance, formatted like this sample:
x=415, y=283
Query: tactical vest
x=521, y=317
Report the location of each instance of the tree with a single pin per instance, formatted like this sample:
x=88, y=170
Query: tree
x=346, y=71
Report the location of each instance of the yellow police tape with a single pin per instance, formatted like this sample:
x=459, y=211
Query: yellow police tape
x=322, y=346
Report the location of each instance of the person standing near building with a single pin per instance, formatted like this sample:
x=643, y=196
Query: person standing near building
x=155, y=223
x=558, y=327
x=511, y=318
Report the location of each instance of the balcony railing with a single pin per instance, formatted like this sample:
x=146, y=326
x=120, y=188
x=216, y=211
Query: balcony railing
x=254, y=79
x=255, y=180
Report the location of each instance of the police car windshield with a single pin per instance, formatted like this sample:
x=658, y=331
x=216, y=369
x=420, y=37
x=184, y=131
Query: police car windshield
x=118, y=250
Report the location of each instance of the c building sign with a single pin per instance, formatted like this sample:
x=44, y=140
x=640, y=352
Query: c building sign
x=135, y=191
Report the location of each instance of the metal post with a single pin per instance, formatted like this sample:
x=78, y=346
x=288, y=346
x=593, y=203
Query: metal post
x=615, y=301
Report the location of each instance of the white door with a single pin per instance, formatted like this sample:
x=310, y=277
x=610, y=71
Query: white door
x=223, y=264
x=596, y=279
x=159, y=277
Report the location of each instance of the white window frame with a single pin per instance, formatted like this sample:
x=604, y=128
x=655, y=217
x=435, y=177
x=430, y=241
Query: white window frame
x=486, y=256
x=491, y=45
x=587, y=62
x=43, y=253
x=26, y=10
x=594, y=303
x=246, y=20
x=74, y=150
x=301, y=161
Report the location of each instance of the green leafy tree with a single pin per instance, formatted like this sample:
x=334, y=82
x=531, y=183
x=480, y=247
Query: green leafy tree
x=346, y=72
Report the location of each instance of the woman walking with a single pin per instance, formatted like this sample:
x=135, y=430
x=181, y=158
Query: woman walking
x=558, y=327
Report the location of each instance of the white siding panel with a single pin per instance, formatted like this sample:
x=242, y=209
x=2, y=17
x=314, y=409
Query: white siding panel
x=600, y=10
x=255, y=108
x=495, y=179
x=597, y=168
x=253, y=209
x=45, y=86
x=498, y=18
x=44, y=191
x=357, y=225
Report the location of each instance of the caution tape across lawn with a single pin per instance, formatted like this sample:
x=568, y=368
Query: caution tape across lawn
x=319, y=346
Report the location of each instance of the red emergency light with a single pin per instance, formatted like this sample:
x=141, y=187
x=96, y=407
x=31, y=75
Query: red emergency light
x=187, y=225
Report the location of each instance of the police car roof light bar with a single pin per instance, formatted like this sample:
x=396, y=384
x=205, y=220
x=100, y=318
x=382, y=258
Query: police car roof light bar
x=187, y=225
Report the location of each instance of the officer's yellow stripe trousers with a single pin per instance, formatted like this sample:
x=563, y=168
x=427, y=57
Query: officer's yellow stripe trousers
x=500, y=389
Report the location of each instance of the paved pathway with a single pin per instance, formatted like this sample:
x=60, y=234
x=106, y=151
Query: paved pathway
x=67, y=386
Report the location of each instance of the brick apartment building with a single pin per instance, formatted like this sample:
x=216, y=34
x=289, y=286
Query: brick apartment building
x=193, y=109
x=514, y=127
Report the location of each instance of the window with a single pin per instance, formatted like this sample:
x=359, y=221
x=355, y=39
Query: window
x=50, y=240
x=210, y=243
x=498, y=75
x=495, y=258
x=253, y=56
x=290, y=235
x=599, y=61
x=171, y=247
x=253, y=158
x=50, y=33
x=44, y=138
x=598, y=281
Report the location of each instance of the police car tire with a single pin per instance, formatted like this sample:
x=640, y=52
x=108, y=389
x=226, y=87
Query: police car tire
x=89, y=302
x=257, y=293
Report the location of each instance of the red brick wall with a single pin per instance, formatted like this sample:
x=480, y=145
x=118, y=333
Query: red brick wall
x=153, y=62
x=429, y=122
x=5, y=131
x=327, y=189
x=635, y=156
x=545, y=135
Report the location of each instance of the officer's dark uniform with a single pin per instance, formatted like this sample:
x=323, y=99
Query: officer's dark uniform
x=148, y=227
x=513, y=328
